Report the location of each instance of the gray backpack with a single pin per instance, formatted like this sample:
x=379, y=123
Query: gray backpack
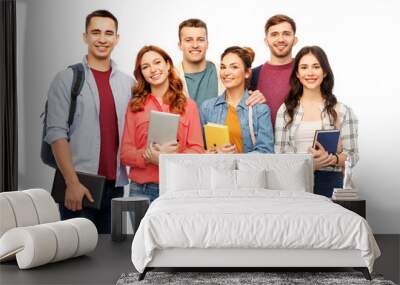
x=46, y=153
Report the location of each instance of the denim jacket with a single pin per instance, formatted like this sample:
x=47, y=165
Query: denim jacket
x=215, y=110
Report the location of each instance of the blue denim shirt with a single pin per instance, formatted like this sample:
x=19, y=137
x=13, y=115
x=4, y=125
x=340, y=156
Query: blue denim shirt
x=215, y=110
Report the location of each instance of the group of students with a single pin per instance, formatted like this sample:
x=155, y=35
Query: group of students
x=288, y=99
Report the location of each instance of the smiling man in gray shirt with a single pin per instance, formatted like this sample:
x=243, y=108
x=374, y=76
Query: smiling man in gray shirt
x=94, y=136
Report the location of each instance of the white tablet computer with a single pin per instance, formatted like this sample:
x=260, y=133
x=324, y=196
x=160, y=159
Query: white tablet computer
x=163, y=127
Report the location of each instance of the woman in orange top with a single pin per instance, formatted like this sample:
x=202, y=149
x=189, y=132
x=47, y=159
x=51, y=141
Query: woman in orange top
x=158, y=88
x=231, y=110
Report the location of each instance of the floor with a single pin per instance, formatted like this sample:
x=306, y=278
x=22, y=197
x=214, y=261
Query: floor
x=389, y=262
x=110, y=260
x=103, y=266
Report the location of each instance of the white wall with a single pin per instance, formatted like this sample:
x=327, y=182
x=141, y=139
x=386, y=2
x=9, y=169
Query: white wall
x=360, y=38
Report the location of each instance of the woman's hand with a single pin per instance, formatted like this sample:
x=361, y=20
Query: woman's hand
x=213, y=150
x=321, y=157
x=169, y=147
x=151, y=155
x=153, y=151
x=228, y=148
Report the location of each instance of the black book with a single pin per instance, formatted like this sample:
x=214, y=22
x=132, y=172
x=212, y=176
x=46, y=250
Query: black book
x=94, y=183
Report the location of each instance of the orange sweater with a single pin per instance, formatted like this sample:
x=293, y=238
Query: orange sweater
x=235, y=132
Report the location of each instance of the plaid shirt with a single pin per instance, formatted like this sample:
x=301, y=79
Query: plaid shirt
x=346, y=122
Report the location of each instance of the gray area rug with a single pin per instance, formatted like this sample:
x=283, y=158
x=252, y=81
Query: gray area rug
x=243, y=278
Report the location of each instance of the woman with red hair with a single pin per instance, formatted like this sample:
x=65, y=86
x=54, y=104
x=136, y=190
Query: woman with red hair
x=158, y=88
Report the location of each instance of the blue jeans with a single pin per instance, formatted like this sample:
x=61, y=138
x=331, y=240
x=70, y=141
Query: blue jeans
x=149, y=190
x=101, y=218
x=325, y=181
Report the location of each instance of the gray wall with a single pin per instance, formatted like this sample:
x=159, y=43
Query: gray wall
x=360, y=39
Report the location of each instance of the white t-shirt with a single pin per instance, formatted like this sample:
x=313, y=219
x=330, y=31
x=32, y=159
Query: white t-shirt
x=304, y=135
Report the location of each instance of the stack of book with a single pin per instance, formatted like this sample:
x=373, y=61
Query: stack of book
x=345, y=194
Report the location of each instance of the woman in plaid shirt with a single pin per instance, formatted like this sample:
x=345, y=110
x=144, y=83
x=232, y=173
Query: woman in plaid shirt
x=309, y=106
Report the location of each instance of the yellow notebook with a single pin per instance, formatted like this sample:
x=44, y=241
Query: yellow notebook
x=216, y=135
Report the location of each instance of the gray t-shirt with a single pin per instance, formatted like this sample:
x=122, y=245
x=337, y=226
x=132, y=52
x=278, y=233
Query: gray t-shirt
x=203, y=85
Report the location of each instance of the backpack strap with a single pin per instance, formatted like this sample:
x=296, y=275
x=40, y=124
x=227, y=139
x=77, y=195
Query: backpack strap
x=46, y=154
x=251, y=127
x=255, y=74
x=77, y=84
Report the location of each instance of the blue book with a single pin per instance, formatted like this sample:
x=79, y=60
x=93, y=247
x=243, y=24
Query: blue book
x=328, y=139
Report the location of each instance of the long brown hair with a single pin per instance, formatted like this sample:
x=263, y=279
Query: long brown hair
x=296, y=88
x=174, y=96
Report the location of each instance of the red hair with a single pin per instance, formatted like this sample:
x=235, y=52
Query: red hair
x=174, y=96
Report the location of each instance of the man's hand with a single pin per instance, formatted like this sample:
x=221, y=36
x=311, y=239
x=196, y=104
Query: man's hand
x=321, y=157
x=256, y=97
x=75, y=190
x=74, y=195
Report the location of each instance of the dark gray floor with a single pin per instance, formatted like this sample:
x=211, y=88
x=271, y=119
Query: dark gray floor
x=103, y=266
x=389, y=262
x=110, y=260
